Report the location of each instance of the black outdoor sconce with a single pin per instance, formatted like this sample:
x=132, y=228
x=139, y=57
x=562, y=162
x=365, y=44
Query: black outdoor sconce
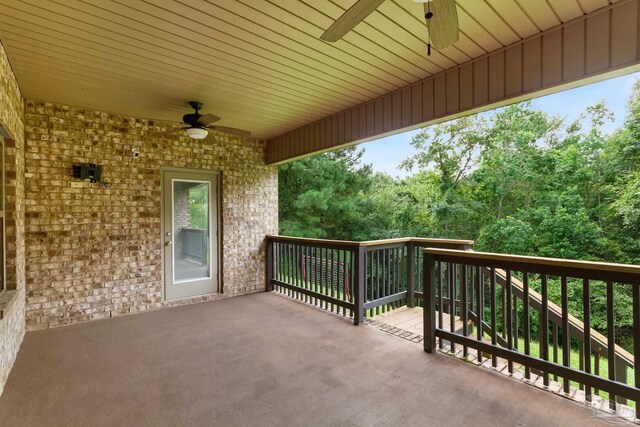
x=89, y=171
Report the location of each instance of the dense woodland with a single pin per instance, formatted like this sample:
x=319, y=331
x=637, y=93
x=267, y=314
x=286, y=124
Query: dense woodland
x=515, y=180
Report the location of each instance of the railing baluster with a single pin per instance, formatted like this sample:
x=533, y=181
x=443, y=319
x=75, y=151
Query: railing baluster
x=394, y=274
x=385, y=269
x=440, y=273
x=581, y=359
x=636, y=339
x=342, y=280
x=287, y=268
x=418, y=276
x=515, y=321
x=544, y=324
x=326, y=266
x=504, y=311
x=297, y=271
x=480, y=306
x=509, y=321
x=389, y=276
x=306, y=277
x=292, y=278
x=318, y=272
x=290, y=269
x=566, y=333
x=360, y=268
x=280, y=264
x=324, y=290
x=411, y=284
x=611, y=343
x=596, y=368
x=452, y=300
x=311, y=272
x=345, y=278
x=554, y=339
x=399, y=276
x=586, y=308
x=300, y=276
x=526, y=320
x=332, y=282
x=402, y=286
x=354, y=254
x=494, y=320
x=369, y=292
x=378, y=274
x=322, y=278
x=464, y=306
x=276, y=263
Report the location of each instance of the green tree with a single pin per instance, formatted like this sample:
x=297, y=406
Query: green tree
x=323, y=196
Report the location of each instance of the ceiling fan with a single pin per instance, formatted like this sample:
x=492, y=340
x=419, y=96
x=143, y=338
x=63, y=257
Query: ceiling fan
x=441, y=17
x=199, y=124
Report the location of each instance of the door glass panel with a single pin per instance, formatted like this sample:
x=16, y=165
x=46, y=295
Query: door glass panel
x=191, y=231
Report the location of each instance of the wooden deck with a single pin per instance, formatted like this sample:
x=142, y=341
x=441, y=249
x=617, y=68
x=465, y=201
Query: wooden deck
x=411, y=320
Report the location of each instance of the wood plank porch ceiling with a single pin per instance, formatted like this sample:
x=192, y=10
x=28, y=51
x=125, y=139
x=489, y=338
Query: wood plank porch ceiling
x=259, y=64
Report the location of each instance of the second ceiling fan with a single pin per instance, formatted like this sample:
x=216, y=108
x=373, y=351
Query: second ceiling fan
x=441, y=17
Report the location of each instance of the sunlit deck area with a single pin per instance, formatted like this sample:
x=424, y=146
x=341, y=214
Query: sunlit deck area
x=296, y=365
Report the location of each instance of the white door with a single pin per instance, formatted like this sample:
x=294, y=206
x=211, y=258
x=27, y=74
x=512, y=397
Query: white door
x=190, y=233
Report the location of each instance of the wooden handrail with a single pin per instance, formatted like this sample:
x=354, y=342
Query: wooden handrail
x=310, y=240
x=627, y=271
x=366, y=243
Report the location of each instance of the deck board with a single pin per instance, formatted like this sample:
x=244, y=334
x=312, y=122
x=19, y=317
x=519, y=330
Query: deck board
x=411, y=320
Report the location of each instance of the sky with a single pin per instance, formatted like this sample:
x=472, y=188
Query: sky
x=386, y=154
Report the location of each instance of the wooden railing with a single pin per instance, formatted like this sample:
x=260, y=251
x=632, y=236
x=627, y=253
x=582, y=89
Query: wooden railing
x=490, y=292
x=355, y=279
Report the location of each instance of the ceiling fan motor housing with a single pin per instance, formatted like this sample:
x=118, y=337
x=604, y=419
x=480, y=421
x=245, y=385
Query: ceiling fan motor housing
x=191, y=119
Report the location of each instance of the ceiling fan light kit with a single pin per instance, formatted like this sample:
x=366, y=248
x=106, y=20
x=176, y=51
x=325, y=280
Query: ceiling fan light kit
x=197, y=133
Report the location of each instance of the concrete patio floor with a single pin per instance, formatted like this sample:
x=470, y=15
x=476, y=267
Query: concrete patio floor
x=258, y=360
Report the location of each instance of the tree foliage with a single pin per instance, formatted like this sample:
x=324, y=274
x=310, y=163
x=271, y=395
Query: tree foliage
x=515, y=180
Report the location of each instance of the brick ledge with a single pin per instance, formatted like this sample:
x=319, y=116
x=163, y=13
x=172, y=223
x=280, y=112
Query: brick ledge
x=7, y=299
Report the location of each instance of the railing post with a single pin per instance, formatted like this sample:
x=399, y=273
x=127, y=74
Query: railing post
x=360, y=269
x=269, y=266
x=429, y=294
x=411, y=261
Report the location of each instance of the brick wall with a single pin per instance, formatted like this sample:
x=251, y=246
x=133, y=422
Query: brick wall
x=94, y=253
x=12, y=302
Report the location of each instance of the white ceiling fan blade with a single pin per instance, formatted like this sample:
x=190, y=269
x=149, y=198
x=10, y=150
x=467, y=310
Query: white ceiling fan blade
x=352, y=17
x=443, y=26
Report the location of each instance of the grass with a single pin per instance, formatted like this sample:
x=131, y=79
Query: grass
x=574, y=362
